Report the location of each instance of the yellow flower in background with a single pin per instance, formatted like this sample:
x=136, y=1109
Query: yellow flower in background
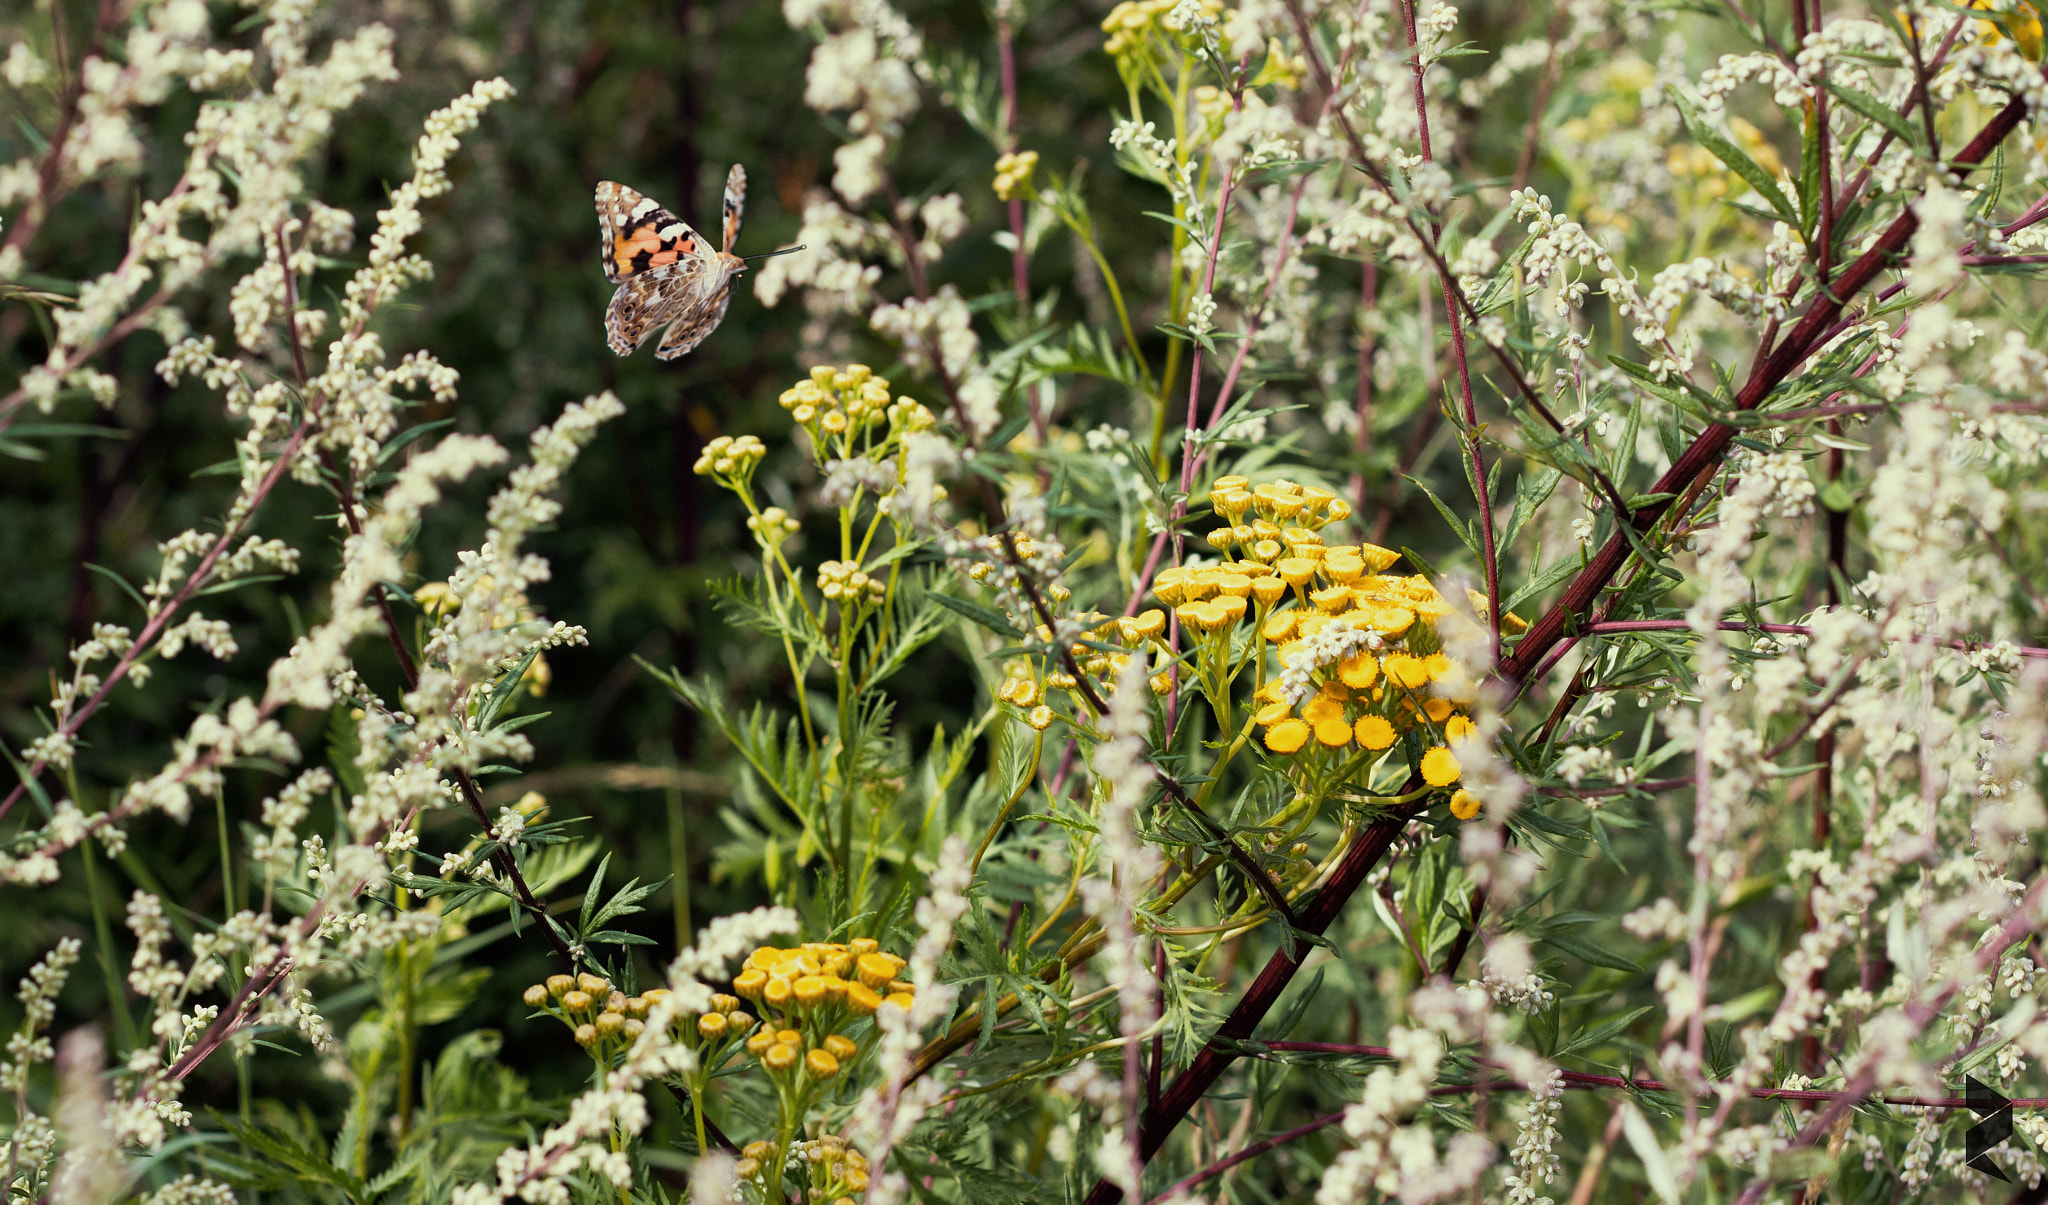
x=1013, y=176
x=1464, y=804
x=2022, y=20
x=436, y=599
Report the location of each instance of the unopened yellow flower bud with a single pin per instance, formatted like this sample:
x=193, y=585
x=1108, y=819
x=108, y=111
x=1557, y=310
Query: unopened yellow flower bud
x=536, y=995
x=586, y=1035
x=841, y=1047
x=577, y=1001
x=713, y=1025
x=780, y=1057
x=559, y=984
x=821, y=1064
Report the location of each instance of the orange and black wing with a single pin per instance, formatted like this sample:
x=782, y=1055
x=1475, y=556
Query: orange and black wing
x=636, y=235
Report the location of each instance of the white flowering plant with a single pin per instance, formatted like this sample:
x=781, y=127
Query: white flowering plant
x=1413, y=602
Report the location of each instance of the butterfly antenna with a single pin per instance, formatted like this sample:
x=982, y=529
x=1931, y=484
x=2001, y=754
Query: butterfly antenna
x=771, y=254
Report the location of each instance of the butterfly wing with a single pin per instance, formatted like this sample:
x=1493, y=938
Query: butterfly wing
x=691, y=328
x=735, y=204
x=635, y=235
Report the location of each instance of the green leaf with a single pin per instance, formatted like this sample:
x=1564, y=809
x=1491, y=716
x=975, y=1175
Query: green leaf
x=1532, y=489
x=1461, y=526
x=1877, y=111
x=1738, y=161
x=987, y=616
x=1656, y=1165
x=1586, y=1039
x=120, y=581
x=1589, y=952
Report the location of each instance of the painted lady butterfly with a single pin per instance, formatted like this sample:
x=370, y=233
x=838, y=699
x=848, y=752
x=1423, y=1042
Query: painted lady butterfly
x=667, y=274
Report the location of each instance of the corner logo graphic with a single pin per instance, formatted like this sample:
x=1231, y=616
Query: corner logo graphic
x=1995, y=1127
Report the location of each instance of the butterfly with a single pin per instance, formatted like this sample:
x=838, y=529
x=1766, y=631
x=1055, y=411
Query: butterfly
x=667, y=273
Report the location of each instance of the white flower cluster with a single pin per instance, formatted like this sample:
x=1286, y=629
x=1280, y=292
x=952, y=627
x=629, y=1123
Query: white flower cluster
x=1394, y=1151
x=888, y=1112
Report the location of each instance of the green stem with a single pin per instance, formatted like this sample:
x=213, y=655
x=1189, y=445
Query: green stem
x=678, y=862
x=408, y=1040
x=227, y=861
x=103, y=930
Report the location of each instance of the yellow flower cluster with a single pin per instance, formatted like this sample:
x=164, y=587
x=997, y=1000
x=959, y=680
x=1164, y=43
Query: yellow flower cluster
x=845, y=583
x=1292, y=585
x=844, y=401
x=1013, y=175
x=1025, y=688
x=1267, y=521
x=1391, y=686
x=730, y=458
x=810, y=992
x=1131, y=22
x=605, y=1020
x=832, y=1170
x=772, y=526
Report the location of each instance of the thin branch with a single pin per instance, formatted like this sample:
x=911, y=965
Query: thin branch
x=1705, y=453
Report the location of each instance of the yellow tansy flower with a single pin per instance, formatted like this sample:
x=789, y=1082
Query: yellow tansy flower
x=1464, y=804
x=1287, y=736
x=1359, y=672
x=1334, y=732
x=1271, y=714
x=1439, y=768
x=1321, y=708
x=1406, y=670
x=1457, y=728
x=1374, y=732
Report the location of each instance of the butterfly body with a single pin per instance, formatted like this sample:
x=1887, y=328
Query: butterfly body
x=668, y=274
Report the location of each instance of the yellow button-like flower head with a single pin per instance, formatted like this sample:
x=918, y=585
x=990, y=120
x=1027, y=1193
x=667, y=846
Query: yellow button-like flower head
x=1287, y=736
x=1440, y=768
x=1374, y=732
